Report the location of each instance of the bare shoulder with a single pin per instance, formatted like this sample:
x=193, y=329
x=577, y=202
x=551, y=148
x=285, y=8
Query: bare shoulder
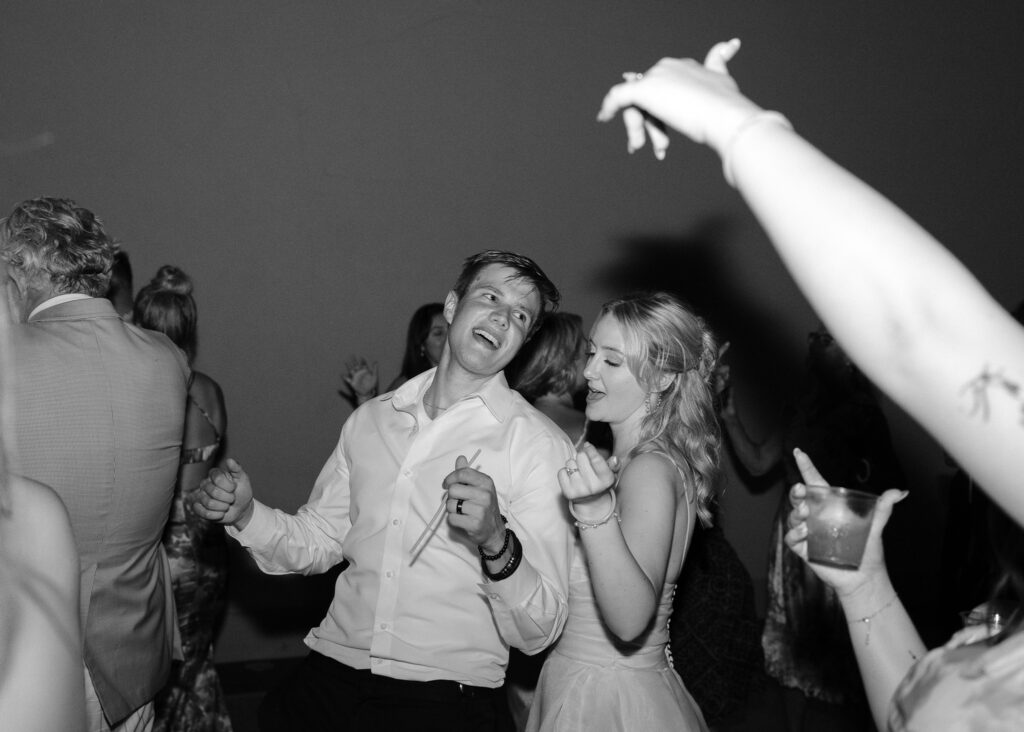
x=205, y=386
x=37, y=531
x=652, y=474
x=208, y=394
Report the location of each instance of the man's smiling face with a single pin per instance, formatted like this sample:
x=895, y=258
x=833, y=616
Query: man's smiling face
x=490, y=323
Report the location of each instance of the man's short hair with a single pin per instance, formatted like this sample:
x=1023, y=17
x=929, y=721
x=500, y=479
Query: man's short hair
x=56, y=240
x=525, y=268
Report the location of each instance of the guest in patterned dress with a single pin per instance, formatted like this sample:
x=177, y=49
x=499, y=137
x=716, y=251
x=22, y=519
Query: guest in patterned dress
x=193, y=700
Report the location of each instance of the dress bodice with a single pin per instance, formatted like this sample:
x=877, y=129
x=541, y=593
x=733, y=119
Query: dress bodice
x=587, y=639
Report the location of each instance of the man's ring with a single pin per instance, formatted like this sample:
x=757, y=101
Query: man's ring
x=458, y=506
x=633, y=75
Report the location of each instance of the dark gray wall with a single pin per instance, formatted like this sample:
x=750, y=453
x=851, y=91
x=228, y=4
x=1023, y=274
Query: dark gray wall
x=321, y=168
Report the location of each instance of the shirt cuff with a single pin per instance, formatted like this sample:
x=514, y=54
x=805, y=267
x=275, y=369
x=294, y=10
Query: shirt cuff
x=259, y=524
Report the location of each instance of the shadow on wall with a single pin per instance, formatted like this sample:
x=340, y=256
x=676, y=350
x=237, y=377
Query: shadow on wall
x=694, y=267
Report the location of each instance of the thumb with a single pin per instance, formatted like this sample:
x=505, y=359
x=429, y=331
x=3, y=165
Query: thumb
x=461, y=462
x=720, y=54
x=234, y=467
x=883, y=509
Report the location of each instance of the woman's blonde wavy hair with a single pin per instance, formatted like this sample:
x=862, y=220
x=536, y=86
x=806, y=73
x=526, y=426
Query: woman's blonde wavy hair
x=665, y=340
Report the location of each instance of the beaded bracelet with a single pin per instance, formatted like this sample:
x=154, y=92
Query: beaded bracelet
x=491, y=557
x=584, y=525
x=764, y=115
x=511, y=565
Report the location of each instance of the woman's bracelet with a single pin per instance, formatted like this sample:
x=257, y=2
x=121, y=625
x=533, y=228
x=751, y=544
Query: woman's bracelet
x=511, y=565
x=868, y=618
x=764, y=115
x=583, y=525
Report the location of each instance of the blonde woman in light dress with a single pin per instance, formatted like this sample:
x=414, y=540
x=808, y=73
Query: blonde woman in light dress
x=649, y=370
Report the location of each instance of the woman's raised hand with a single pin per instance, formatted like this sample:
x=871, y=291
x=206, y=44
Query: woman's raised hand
x=698, y=100
x=361, y=379
x=872, y=565
x=586, y=478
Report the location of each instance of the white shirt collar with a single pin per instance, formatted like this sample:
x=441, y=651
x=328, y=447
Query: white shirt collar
x=47, y=304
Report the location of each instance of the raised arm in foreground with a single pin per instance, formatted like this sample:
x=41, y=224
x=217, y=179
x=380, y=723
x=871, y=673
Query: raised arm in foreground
x=910, y=315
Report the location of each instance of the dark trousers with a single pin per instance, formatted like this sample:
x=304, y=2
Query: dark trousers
x=323, y=694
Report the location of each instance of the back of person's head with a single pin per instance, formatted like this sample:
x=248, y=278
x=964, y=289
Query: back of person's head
x=416, y=361
x=550, y=362
x=524, y=267
x=57, y=241
x=121, y=291
x=672, y=354
x=166, y=305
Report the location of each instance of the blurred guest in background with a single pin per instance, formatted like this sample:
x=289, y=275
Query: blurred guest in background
x=424, y=342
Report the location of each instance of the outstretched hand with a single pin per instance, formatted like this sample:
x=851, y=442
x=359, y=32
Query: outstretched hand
x=698, y=100
x=224, y=496
x=872, y=565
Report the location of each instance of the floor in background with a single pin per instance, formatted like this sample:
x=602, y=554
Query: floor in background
x=245, y=683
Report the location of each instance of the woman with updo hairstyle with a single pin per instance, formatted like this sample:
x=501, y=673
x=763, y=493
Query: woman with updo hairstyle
x=649, y=373
x=193, y=698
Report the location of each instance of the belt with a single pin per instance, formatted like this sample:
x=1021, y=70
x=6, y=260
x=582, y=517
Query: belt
x=371, y=683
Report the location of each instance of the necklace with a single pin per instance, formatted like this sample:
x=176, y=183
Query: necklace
x=435, y=407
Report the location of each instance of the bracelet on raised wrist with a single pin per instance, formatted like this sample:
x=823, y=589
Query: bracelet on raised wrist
x=511, y=565
x=491, y=557
x=582, y=524
x=764, y=115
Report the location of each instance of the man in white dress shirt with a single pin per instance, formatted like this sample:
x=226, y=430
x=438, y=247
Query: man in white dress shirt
x=421, y=641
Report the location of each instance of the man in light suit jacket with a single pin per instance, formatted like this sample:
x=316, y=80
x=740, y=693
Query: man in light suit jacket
x=99, y=414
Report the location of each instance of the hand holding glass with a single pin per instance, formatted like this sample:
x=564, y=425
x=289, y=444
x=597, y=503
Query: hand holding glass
x=838, y=523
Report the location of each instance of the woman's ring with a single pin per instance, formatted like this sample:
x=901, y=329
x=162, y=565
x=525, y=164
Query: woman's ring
x=458, y=506
x=633, y=75
x=571, y=471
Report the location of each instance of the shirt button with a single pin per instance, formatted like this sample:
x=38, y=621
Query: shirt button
x=394, y=522
x=389, y=574
x=383, y=626
x=407, y=473
x=495, y=596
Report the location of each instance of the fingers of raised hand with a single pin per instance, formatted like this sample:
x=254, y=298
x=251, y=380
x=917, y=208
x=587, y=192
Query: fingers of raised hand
x=633, y=119
x=656, y=134
x=720, y=55
x=570, y=481
x=600, y=472
x=796, y=540
x=807, y=470
x=797, y=496
x=460, y=506
x=798, y=514
x=883, y=509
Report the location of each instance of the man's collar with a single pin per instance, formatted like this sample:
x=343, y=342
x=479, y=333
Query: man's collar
x=495, y=394
x=46, y=304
